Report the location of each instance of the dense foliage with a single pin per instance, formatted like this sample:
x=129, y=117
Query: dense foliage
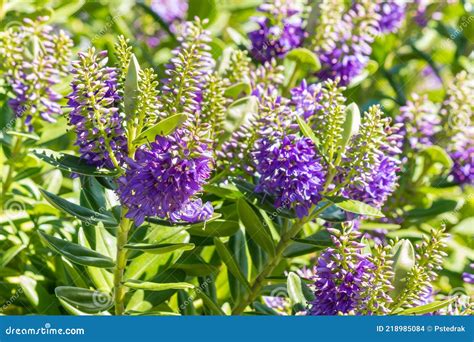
x=237, y=157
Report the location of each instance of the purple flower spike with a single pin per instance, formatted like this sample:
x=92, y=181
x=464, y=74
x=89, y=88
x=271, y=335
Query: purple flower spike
x=164, y=178
x=279, y=31
x=95, y=113
x=346, y=57
x=289, y=170
x=391, y=14
x=338, y=289
x=463, y=168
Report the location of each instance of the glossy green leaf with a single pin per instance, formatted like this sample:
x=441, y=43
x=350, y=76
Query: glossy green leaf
x=43, y=302
x=131, y=90
x=147, y=266
x=427, y=308
x=77, y=253
x=304, y=59
x=217, y=228
x=403, y=256
x=238, y=249
x=438, y=155
x=84, y=214
x=354, y=206
x=71, y=163
x=302, y=246
x=230, y=262
x=237, y=89
x=307, y=131
x=85, y=300
x=150, y=286
x=262, y=201
x=295, y=292
x=254, y=227
x=209, y=303
x=164, y=127
x=351, y=124
x=25, y=135
x=142, y=300
x=160, y=248
x=438, y=207
x=378, y=226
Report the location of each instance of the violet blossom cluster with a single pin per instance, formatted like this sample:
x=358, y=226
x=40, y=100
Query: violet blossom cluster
x=341, y=276
x=95, y=114
x=290, y=170
x=34, y=58
x=280, y=29
x=347, y=54
x=391, y=14
x=163, y=178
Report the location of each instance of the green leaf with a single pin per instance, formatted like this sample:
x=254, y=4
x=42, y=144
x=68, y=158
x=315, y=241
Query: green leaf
x=164, y=127
x=38, y=296
x=254, y=227
x=263, y=309
x=142, y=300
x=209, y=303
x=378, y=225
x=83, y=214
x=231, y=264
x=465, y=227
x=25, y=135
x=147, y=266
x=196, y=268
x=131, y=89
x=238, y=249
x=71, y=163
x=438, y=207
x=351, y=124
x=262, y=201
x=77, y=253
x=307, y=131
x=427, y=308
x=239, y=111
x=150, y=286
x=403, y=256
x=295, y=292
x=438, y=155
x=10, y=253
x=354, y=206
x=217, y=228
x=237, y=89
x=304, y=59
x=29, y=172
x=160, y=248
x=85, y=300
x=202, y=9
x=61, y=14
x=315, y=242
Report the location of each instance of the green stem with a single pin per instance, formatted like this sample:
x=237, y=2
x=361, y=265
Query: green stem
x=121, y=263
x=286, y=238
x=10, y=169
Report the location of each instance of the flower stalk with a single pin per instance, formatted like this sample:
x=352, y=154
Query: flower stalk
x=273, y=262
